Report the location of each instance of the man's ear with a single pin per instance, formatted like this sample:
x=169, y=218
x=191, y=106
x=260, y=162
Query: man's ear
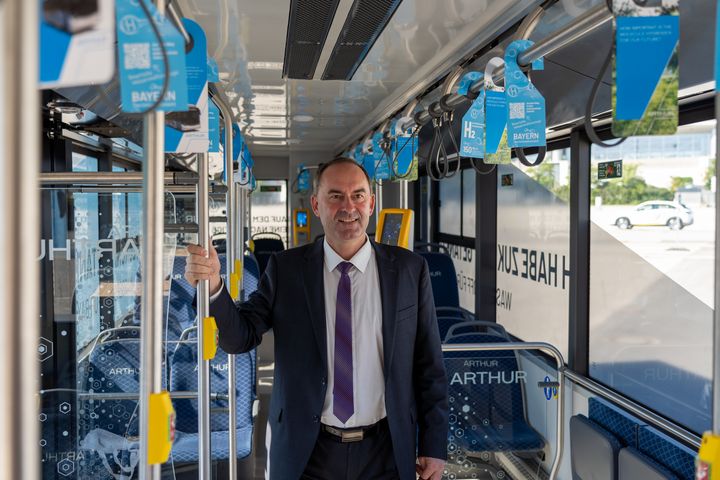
x=314, y=205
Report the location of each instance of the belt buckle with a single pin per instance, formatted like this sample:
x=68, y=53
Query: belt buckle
x=352, y=436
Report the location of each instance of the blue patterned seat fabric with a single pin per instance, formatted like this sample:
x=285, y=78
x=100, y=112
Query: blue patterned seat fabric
x=487, y=399
x=443, y=279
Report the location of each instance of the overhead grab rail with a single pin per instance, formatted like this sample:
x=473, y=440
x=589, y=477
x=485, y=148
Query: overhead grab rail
x=589, y=22
x=114, y=178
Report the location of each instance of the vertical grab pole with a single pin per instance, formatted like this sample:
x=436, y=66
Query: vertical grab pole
x=151, y=319
x=404, y=194
x=716, y=312
x=231, y=248
x=203, y=310
x=378, y=202
x=20, y=145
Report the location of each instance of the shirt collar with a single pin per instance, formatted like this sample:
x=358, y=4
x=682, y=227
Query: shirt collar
x=359, y=260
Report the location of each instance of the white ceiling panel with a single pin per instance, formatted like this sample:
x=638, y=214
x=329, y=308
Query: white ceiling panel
x=422, y=42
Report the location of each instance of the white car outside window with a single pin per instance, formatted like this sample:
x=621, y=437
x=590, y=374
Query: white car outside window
x=656, y=213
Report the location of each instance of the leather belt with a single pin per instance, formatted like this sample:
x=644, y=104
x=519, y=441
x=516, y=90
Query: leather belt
x=348, y=435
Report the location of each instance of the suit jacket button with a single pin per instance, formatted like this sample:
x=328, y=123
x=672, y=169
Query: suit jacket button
x=324, y=381
x=316, y=418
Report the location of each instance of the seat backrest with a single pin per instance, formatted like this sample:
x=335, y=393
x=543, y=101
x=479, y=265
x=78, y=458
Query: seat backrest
x=183, y=377
x=475, y=326
x=674, y=456
x=633, y=465
x=251, y=274
x=492, y=377
x=443, y=279
x=593, y=450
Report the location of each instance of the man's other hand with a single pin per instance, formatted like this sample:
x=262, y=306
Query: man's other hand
x=200, y=266
x=429, y=468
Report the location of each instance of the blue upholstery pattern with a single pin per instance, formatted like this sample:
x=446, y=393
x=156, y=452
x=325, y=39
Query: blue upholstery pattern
x=443, y=279
x=265, y=248
x=487, y=407
x=183, y=377
x=621, y=424
x=105, y=427
x=251, y=274
x=666, y=451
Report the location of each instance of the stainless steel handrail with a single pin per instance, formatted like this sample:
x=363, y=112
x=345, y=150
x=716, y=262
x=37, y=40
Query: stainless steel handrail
x=203, y=311
x=634, y=408
x=560, y=364
x=180, y=394
x=590, y=21
x=231, y=249
x=20, y=158
x=115, y=178
x=151, y=324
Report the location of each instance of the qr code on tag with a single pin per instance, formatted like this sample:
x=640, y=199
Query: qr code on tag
x=517, y=110
x=137, y=56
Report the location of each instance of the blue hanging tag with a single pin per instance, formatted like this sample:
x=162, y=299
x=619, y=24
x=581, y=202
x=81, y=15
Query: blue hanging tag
x=525, y=104
x=467, y=81
x=358, y=155
x=76, y=47
x=187, y=132
x=213, y=71
x=303, y=178
x=214, y=127
x=382, y=167
x=496, y=148
x=368, y=159
x=646, y=69
x=472, y=134
x=140, y=58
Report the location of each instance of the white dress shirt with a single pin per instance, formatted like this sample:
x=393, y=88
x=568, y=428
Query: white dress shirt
x=367, y=338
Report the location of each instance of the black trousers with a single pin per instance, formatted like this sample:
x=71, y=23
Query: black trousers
x=369, y=459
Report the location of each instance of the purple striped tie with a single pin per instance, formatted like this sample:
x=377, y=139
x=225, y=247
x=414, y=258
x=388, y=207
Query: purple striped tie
x=343, y=405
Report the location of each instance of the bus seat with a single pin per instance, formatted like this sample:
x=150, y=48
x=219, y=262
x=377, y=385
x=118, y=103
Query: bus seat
x=251, y=274
x=266, y=244
x=494, y=417
x=443, y=279
x=616, y=421
x=474, y=326
x=111, y=367
x=593, y=450
x=674, y=456
x=633, y=465
x=183, y=378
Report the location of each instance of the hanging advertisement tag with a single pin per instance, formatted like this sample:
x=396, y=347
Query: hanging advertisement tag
x=472, y=133
x=213, y=71
x=214, y=127
x=368, y=159
x=303, y=178
x=77, y=43
x=357, y=155
x=496, y=148
x=644, y=95
x=382, y=166
x=142, y=62
x=525, y=104
x=187, y=131
x=404, y=151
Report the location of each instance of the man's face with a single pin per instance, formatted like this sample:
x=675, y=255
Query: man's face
x=343, y=202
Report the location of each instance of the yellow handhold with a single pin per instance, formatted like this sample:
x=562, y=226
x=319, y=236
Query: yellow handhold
x=708, y=459
x=161, y=431
x=210, y=338
x=234, y=286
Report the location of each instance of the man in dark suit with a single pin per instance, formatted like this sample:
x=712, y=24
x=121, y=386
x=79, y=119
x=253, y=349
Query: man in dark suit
x=360, y=390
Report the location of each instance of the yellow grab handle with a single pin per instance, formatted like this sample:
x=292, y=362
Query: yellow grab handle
x=161, y=431
x=708, y=459
x=234, y=286
x=210, y=338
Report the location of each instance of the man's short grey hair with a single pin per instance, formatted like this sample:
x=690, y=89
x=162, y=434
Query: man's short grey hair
x=337, y=161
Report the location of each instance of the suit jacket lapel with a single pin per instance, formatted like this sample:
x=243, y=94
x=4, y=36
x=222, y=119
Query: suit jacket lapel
x=315, y=295
x=387, y=273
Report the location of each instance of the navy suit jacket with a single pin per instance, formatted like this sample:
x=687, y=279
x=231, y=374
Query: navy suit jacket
x=290, y=300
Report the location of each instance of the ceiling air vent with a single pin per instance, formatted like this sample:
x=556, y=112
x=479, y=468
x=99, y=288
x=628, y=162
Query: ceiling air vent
x=308, y=27
x=365, y=22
